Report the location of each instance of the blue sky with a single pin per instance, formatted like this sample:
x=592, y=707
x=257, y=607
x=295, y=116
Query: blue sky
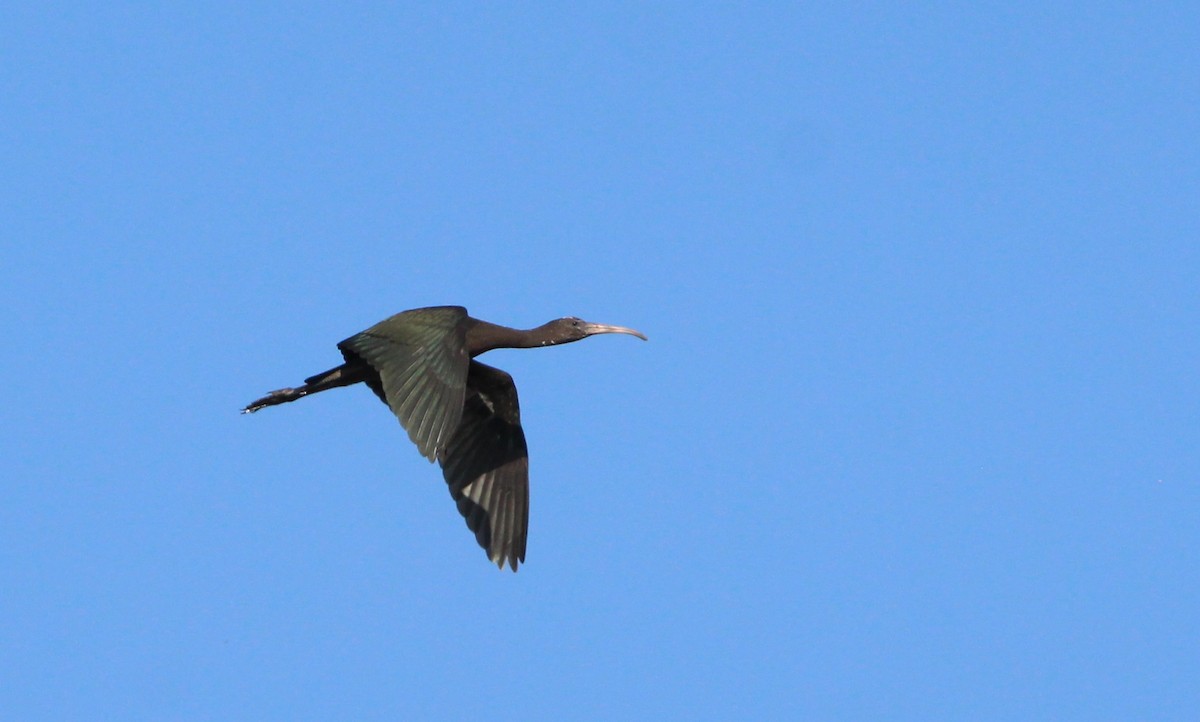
x=914, y=437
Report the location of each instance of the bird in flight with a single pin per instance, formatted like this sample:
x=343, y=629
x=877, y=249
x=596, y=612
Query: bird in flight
x=458, y=411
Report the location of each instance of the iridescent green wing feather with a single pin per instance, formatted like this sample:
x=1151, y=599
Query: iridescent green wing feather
x=421, y=359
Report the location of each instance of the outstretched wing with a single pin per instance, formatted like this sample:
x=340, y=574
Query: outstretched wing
x=421, y=358
x=486, y=465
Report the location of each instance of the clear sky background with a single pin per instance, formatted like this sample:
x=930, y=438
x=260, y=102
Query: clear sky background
x=914, y=437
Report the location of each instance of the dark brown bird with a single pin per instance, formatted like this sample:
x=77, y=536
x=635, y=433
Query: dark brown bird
x=456, y=410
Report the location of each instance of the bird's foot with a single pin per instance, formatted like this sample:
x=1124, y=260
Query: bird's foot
x=279, y=396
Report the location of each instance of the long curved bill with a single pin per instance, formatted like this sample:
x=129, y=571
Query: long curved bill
x=592, y=329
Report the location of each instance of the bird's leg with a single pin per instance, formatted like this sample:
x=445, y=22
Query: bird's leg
x=344, y=375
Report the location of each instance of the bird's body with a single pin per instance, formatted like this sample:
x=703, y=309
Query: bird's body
x=458, y=411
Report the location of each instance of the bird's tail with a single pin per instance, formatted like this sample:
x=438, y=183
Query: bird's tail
x=344, y=375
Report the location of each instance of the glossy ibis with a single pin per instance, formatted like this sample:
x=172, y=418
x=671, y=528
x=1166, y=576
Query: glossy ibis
x=456, y=410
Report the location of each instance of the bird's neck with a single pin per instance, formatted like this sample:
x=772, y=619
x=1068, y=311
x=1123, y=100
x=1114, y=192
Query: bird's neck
x=483, y=337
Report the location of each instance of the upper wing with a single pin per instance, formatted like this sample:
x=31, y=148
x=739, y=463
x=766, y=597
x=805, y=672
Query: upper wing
x=486, y=465
x=421, y=359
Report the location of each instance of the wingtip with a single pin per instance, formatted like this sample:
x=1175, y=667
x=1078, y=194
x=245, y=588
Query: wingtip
x=499, y=559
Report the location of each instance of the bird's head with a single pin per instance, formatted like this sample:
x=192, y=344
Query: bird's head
x=566, y=330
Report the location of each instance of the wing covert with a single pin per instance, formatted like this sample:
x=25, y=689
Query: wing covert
x=422, y=361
